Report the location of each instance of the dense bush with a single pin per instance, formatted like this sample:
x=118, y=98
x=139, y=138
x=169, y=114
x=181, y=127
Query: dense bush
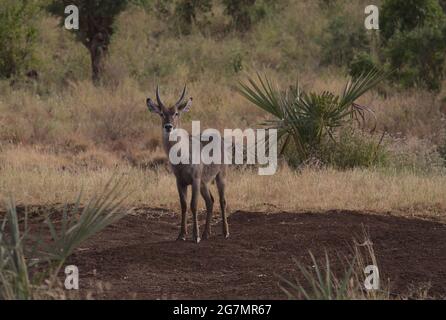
x=240, y=12
x=418, y=56
x=18, y=34
x=360, y=63
x=353, y=149
x=343, y=38
x=414, y=41
x=186, y=12
x=407, y=15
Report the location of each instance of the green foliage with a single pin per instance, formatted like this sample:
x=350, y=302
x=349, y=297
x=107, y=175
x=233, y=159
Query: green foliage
x=361, y=62
x=96, y=21
x=305, y=120
x=244, y=13
x=342, y=39
x=407, y=15
x=418, y=56
x=240, y=12
x=18, y=34
x=30, y=263
x=353, y=149
x=414, y=40
x=186, y=12
x=94, y=15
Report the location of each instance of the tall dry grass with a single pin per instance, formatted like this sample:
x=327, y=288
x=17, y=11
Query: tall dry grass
x=40, y=177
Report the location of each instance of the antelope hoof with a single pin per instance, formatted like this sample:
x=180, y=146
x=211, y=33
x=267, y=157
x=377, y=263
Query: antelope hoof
x=197, y=239
x=226, y=235
x=182, y=237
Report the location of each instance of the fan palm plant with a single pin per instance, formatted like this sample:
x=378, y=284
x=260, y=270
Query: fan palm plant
x=30, y=262
x=303, y=120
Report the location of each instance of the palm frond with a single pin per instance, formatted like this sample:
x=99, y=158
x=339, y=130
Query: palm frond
x=29, y=262
x=307, y=118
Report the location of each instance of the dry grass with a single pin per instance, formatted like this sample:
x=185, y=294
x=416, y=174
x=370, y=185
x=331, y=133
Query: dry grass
x=38, y=177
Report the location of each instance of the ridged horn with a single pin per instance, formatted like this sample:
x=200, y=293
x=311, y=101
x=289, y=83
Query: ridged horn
x=181, y=98
x=160, y=103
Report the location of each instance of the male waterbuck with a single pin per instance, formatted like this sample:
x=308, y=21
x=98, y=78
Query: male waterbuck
x=199, y=176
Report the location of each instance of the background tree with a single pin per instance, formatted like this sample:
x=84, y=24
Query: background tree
x=240, y=12
x=414, y=41
x=186, y=12
x=18, y=35
x=96, y=19
x=408, y=15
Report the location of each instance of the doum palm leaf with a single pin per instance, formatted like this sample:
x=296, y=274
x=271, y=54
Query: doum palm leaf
x=30, y=262
x=307, y=118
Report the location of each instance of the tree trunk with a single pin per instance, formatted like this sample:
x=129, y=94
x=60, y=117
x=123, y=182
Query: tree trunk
x=98, y=50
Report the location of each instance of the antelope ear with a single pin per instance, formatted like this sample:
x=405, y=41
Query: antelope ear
x=153, y=107
x=185, y=106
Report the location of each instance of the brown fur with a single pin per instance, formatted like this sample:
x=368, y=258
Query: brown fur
x=198, y=176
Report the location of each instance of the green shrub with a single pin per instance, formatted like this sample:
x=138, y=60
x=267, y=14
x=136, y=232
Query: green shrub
x=240, y=12
x=407, y=15
x=186, y=12
x=18, y=36
x=244, y=13
x=414, y=41
x=361, y=62
x=353, y=149
x=418, y=56
x=342, y=39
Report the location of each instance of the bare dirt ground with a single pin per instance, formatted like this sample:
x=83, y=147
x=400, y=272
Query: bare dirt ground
x=137, y=257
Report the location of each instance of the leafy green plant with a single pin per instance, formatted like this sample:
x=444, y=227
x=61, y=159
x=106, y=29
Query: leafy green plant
x=361, y=62
x=186, y=12
x=418, y=56
x=407, y=15
x=30, y=263
x=342, y=39
x=240, y=11
x=304, y=120
x=18, y=36
x=244, y=13
x=353, y=149
x=413, y=34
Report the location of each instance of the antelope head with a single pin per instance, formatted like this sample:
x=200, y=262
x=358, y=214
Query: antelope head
x=169, y=115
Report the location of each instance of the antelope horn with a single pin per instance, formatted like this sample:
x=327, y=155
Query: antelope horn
x=160, y=103
x=181, y=98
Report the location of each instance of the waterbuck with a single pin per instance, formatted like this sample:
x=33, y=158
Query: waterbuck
x=199, y=176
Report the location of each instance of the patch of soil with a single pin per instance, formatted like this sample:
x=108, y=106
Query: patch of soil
x=138, y=257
